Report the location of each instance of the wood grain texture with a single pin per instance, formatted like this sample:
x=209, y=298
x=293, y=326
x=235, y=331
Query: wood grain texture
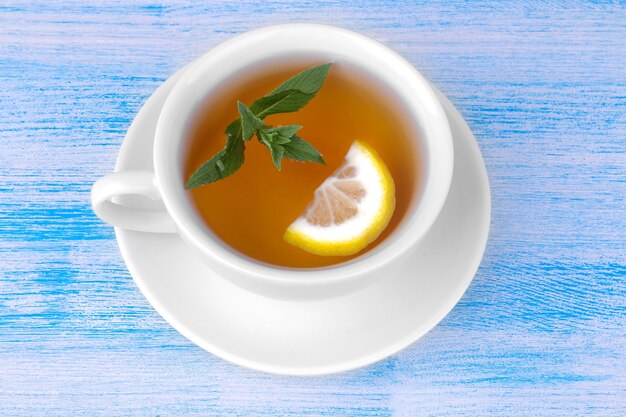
x=542, y=329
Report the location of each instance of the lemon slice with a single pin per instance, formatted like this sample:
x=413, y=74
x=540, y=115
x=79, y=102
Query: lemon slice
x=350, y=209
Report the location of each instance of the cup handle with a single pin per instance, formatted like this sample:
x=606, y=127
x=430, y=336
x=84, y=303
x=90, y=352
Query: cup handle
x=141, y=183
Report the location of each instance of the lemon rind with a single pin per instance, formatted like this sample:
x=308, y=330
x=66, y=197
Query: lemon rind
x=378, y=225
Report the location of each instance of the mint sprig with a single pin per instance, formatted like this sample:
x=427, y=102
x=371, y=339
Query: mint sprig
x=281, y=141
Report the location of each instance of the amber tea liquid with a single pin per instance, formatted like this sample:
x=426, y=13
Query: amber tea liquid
x=251, y=209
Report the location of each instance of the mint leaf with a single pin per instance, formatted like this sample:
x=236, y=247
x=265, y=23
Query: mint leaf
x=286, y=101
x=301, y=150
x=249, y=122
x=309, y=81
x=221, y=165
x=281, y=140
x=233, y=129
x=277, y=152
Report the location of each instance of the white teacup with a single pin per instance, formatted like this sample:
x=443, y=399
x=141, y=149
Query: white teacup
x=329, y=44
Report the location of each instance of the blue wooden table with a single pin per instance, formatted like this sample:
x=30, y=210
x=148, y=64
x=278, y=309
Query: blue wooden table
x=541, y=331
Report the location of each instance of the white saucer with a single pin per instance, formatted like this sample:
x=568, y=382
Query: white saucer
x=313, y=337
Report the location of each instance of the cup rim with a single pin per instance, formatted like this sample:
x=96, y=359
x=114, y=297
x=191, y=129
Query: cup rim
x=435, y=132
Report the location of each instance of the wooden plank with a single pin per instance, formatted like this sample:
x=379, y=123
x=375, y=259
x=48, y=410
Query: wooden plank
x=541, y=330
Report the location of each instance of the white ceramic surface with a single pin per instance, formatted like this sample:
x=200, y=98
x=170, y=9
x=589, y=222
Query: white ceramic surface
x=319, y=336
x=328, y=44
